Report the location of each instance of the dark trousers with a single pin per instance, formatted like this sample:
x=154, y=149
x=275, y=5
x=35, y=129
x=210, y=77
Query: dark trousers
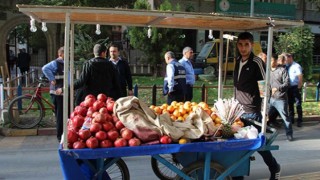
x=58, y=107
x=123, y=92
x=294, y=96
x=267, y=156
x=175, y=96
x=189, y=92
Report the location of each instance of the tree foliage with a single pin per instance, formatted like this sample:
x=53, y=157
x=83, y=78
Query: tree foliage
x=316, y=2
x=161, y=40
x=84, y=45
x=298, y=41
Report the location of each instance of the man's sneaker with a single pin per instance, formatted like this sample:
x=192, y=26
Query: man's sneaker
x=276, y=175
x=289, y=138
x=299, y=124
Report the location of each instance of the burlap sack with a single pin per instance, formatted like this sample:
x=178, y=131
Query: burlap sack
x=148, y=126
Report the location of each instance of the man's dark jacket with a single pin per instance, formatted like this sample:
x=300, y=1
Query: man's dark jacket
x=125, y=78
x=98, y=76
x=246, y=88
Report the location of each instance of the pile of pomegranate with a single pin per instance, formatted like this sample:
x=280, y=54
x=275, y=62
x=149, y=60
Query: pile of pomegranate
x=92, y=124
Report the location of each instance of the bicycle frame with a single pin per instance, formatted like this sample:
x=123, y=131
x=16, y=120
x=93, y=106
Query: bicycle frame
x=37, y=96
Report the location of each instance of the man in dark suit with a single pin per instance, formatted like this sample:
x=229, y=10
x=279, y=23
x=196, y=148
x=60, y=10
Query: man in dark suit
x=23, y=61
x=123, y=69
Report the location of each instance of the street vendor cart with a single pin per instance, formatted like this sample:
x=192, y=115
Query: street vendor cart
x=208, y=160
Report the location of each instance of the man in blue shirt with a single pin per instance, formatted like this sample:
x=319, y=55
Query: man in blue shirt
x=294, y=91
x=190, y=79
x=175, y=80
x=54, y=72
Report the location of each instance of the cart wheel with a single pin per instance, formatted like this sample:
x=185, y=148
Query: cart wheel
x=195, y=171
x=162, y=171
x=118, y=170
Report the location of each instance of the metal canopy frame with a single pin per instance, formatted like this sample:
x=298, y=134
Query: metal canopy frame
x=70, y=15
x=144, y=18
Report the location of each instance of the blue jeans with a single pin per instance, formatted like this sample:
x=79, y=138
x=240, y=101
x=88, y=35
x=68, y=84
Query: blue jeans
x=270, y=161
x=281, y=106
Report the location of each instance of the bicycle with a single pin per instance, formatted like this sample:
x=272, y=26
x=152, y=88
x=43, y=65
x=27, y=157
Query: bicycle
x=27, y=111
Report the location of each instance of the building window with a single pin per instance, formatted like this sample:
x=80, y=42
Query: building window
x=311, y=6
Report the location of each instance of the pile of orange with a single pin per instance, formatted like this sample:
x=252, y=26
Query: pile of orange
x=179, y=111
x=217, y=120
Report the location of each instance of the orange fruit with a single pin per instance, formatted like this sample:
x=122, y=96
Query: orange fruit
x=208, y=111
x=194, y=108
x=164, y=111
x=173, y=103
x=173, y=117
x=170, y=109
x=182, y=111
x=217, y=120
x=183, y=141
x=180, y=118
x=176, y=113
x=158, y=110
x=164, y=106
x=213, y=116
x=152, y=107
x=203, y=105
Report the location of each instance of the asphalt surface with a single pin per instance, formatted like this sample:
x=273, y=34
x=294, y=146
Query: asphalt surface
x=36, y=157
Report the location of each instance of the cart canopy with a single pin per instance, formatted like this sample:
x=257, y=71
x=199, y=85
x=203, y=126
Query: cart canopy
x=145, y=18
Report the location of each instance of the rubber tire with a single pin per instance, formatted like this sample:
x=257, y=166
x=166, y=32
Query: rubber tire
x=15, y=121
x=199, y=165
x=121, y=168
x=160, y=172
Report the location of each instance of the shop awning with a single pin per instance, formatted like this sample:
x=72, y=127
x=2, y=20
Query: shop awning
x=144, y=18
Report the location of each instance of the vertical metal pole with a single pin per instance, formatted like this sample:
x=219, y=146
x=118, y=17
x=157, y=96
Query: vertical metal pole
x=154, y=95
x=135, y=90
x=252, y=8
x=71, y=67
x=226, y=63
x=304, y=92
x=1, y=96
x=203, y=93
x=267, y=78
x=65, y=80
x=317, y=91
x=220, y=85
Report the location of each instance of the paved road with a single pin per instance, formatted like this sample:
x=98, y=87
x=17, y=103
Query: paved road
x=36, y=157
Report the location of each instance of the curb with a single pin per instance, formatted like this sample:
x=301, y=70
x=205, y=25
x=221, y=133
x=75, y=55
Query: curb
x=28, y=132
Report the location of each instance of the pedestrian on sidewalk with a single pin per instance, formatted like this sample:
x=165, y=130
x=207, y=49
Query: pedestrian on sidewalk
x=294, y=92
x=123, y=70
x=279, y=83
x=186, y=62
x=248, y=70
x=54, y=71
x=175, y=81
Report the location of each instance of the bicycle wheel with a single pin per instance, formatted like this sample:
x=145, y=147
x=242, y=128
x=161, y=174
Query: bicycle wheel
x=25, y=112
x=118, y=170
x=162, y=171
x=195, y=171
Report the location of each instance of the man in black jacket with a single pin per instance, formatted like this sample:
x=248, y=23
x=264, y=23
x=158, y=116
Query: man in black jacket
x=98, y=76
x=248, y=70
x=123, y=70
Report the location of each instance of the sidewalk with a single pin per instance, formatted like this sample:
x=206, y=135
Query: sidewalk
x=306, y=176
